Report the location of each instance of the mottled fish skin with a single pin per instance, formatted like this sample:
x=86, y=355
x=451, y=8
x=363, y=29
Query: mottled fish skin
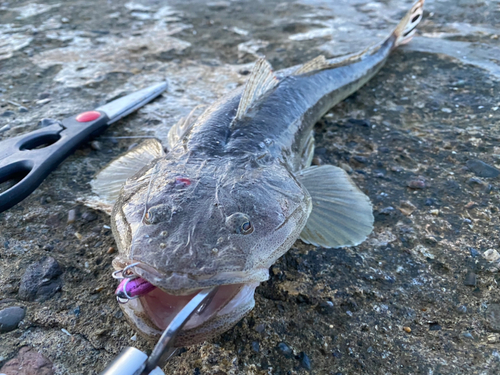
x=229, y=198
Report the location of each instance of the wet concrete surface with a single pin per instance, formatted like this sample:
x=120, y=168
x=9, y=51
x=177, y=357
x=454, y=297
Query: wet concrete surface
x=420, y=296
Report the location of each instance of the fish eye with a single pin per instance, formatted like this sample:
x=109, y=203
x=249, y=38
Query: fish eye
x=157, y=214
x=246, y=228
x=239, y=223
x=148, y=217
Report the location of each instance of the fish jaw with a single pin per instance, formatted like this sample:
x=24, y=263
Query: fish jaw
x=152, y=307
x=151, y=313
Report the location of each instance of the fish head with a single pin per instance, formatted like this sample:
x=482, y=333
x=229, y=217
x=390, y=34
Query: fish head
x=191, y=226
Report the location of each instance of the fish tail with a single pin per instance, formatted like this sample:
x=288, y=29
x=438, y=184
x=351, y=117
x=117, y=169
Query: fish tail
x=403, y=33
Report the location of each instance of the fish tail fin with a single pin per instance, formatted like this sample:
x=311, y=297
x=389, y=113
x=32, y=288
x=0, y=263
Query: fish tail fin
x=403, y=33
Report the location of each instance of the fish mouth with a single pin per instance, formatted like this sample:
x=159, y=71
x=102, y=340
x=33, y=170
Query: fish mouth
x=161, y=307
x=152, y=312
x=153, y=299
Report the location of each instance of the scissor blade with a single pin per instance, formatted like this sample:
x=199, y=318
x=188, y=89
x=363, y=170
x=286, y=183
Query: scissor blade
x=120, y=108
x=164, y=347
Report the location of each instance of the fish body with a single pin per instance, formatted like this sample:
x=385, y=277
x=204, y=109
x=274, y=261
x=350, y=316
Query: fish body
x=236, y=189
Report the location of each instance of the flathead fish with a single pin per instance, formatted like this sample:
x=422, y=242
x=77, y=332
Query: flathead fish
x=234, y=191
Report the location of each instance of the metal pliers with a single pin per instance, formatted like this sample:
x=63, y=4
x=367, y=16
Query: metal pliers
x=132, y=361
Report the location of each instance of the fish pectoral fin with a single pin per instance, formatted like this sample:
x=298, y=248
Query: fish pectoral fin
x=108, y=182
x=262, y=80
x=341, y=214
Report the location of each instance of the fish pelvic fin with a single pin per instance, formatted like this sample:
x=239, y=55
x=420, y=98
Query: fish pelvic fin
x=262, y=80
x=405, y=30
x=341, y=215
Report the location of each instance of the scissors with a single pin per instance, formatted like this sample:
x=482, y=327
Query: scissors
x=29, y=158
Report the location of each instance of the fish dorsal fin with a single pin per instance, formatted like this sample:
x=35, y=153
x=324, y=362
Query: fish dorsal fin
x=182, y=127
x=341, y=213
x=108, y=182
x=317, y=63
x=262, y=79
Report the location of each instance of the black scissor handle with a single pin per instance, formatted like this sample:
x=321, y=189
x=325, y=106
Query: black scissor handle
x=31, y=157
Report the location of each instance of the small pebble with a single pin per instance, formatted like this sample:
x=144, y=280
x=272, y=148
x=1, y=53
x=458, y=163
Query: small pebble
x=41, y=280
x=360, y=159
x=387, y=210
x=493, y=338
x=65, y=331
x=473, y=252
x=43, y=123
x=89, y=216
x=407, y=208
x=446, y=110
x=71, y=216
x=346, y=167
x=43, y=95
x=260, y=328
x=481, y=169
x=28, y=362
x=407, y=329
x=397, y=169
x=10, y=318
x=4, y=128
x=430, y=202
x=416, y=184
x=65, y=20
x=434, y=212
x=218, y=5
x=470, y=279
x=470, y=205
x=434, y=327
x=43, y=101
x=493, y=317
x=491, y=255
x=462, y=309
x=78, y=235
x=255, y=346
x=475, y=181
x=325, y=307
x=7, y=114
x=111, y=250
x=317, y=161
x=134, y=338
x=284, y=349
x=467, y=335
x=304, y=360
x=96, y=145
x=22, y=109
x=359, y=122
